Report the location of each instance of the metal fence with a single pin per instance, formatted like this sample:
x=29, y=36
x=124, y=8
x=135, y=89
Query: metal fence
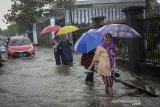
x=150, y=29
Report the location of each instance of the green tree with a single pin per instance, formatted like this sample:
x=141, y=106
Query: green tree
x=24, y=13
x=10, y=31
x=64, y=4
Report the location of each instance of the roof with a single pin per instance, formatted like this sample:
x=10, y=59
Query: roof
x=108, y=3
x=105, y=1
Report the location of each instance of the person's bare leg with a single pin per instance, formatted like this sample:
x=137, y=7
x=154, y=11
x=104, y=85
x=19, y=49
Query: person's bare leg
x=106, y=89
x=110, y=91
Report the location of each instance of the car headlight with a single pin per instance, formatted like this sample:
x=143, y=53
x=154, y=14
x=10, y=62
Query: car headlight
x=31, y=49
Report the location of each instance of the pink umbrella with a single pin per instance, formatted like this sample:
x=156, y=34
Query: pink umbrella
x=50, y=29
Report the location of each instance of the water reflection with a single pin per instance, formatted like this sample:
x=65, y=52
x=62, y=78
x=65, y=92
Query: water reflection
x=1, y=71
x=63, y=69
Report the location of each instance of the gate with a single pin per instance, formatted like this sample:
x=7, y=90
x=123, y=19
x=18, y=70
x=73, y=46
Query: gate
x=150, y=28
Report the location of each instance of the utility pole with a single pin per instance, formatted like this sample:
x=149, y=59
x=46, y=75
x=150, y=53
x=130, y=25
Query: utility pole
x=70, y=10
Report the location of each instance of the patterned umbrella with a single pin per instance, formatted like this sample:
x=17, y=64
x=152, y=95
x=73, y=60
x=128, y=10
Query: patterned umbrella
x=119, y=31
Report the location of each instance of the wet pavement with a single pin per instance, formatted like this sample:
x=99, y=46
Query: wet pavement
x=38, y=82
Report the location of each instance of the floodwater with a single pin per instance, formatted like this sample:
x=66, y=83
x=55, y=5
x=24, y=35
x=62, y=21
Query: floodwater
x=38, y=82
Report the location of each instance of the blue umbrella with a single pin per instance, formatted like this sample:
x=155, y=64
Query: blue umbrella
x=119, y=31
x=88, y=41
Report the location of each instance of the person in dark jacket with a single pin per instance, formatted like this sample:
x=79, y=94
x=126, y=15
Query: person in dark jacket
x=57, y=50
x=64, y=45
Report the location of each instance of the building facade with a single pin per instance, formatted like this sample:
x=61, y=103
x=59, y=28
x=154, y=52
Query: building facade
x=110, y=9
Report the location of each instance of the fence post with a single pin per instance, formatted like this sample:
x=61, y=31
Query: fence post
x=136, y=45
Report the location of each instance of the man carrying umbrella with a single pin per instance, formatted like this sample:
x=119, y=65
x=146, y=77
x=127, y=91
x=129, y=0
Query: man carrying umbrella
x=57, y=49
x=55, y=41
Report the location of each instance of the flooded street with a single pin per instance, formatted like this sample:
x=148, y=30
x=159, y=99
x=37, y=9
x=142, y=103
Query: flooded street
x=38, y=82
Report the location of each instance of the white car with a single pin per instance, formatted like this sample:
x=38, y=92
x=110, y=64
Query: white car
x=2, y=47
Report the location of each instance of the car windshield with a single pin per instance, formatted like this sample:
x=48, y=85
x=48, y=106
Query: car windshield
x=19, y=42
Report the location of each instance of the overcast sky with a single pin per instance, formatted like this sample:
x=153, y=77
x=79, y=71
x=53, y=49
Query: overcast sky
x=4, y=6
